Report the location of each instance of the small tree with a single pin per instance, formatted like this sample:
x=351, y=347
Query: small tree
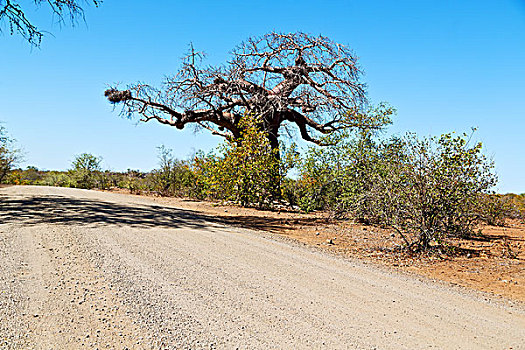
x=250, y=169
x=173, y=177
x=9, y=154
x=86, y=171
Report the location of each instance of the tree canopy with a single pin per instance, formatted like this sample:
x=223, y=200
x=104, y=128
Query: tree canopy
x=13, y=15
x=285, y=79
x=9, y=154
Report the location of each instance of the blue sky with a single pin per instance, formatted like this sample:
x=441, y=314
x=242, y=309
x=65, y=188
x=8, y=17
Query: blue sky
x=445, y=65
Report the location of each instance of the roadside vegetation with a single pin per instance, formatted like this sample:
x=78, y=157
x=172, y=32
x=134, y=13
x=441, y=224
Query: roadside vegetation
x=425, y=189
x=10, y=155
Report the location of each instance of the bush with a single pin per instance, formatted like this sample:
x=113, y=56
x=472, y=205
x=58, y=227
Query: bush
x=429, y=189
x=248, y=172
x=205, y=168
x=426, y=189
x=56, y=178
x=496, y=208
x=336, y=177
x=319, y=184
x=86, y=172
x=517, y=202
x=132, y=180
x=174, y=177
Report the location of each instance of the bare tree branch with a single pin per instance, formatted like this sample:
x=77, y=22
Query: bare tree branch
x=306, y=80
x=16, y=20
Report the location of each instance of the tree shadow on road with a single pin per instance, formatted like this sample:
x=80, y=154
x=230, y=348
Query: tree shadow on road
x=53, y=209
x=270, y=224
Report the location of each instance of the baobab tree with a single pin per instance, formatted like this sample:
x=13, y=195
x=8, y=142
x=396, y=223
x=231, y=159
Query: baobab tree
x=283, y=79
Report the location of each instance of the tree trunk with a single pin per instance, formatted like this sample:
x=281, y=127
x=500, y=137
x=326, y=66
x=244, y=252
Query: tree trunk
x=273, y=138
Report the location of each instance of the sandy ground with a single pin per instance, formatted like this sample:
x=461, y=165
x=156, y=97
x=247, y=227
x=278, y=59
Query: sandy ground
x=84, y=269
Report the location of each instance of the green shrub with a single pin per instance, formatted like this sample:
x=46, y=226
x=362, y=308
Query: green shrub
x=56, y=178
x=429, y=189
x=495, y=209
x=86, y=171
x=247, y=172
x=335, y=177
x=426, y=189
x=131, y=180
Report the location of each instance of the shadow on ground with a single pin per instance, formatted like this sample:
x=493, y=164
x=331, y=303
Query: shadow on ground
x=270, y=224
x=82, y=211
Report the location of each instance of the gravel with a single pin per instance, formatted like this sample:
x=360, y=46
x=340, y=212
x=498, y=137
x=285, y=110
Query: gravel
x=85, y=269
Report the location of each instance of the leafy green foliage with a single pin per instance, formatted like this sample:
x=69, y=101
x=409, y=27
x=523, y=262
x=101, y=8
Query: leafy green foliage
x=426, y=189
x=9, y=154
x=248, y=171
x=55, y=178
x=498, y=207
x=133, y=180
x=86, y=171
x=334, y=177
x=433, y=188
x=517, y=202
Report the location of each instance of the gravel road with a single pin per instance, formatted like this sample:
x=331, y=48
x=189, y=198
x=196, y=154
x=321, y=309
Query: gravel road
x=84, y=269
